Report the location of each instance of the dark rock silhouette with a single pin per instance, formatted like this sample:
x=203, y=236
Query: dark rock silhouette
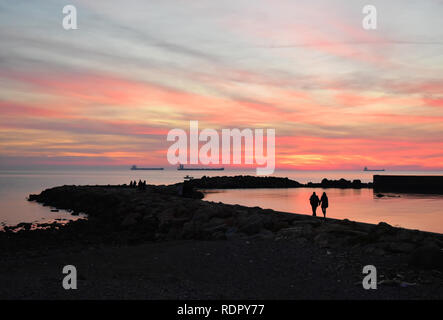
x=159, y=213
x=235, y=182
x=408, y=184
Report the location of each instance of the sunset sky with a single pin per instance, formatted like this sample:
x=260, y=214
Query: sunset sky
x=338, y=96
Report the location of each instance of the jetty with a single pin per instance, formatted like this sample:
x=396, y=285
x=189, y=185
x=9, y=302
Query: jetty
x=408, y=184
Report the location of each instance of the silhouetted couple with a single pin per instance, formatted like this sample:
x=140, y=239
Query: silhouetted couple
x=315, y=202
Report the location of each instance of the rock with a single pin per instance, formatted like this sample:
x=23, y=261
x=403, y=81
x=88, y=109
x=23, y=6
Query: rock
x=174, y=232
x=343, y=230
x=149, y=224
x=295, y=232
x=427, y=257
x=324, y=240
x=220, y=235
x=141, y=208
x=131, y=219
x=181, y=211
x=264, y=234
x=349, y=224
x=231, y=182
x=209, y=231
x=215, y=222
x=401, y=247
x=223, y=212
x=178, y=222
x=313, y=223
x=165, y=218
x=190, y=230
x=204, y=213
x=33, y=197
x=375, y=250
x=277, y=224
x=24, y=225
x=252, y=224
x=166, y=214
x=233, y=233
x=430, y=242
x=301, y=241
x=404, y=235
x=356, y=183
x=383, y=229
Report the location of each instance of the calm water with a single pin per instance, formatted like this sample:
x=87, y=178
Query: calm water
x=408, y=211
x=422, y=212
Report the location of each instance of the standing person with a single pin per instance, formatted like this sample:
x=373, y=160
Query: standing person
x=324, y=203
x=314, y=200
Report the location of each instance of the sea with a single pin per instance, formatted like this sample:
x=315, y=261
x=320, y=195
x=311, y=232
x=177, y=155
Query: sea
x=412, y=211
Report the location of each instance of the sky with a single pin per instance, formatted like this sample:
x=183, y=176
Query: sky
x=338, y=96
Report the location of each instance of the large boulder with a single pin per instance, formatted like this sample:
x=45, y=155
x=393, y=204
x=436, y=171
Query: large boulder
x=251, y=224
x=383, y=230
x=205, y=212
x=276, y=224
x=325, y=240
x=301, y=230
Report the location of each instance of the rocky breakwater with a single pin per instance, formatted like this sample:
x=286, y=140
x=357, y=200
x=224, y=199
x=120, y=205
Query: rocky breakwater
x=341, y=183
x=120, y=214
x=246, y=182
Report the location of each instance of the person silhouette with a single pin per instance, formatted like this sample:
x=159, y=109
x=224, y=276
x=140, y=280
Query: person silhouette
x=324, y=202
x=314, y=200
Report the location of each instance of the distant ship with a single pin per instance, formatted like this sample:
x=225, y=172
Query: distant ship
x=182, y=167
x=134, y=167
x=366, y=169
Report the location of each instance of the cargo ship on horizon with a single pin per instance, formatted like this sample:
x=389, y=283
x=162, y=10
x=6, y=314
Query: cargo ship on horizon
x=366, y=169
x=134, y=167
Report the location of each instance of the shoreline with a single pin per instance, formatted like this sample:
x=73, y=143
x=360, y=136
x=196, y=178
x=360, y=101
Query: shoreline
x=203, y=188
x=158, y=218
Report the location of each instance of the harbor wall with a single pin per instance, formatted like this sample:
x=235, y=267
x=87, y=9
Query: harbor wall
x=408, y=184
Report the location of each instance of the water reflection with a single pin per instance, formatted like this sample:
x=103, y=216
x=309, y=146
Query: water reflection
x=423, y=212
